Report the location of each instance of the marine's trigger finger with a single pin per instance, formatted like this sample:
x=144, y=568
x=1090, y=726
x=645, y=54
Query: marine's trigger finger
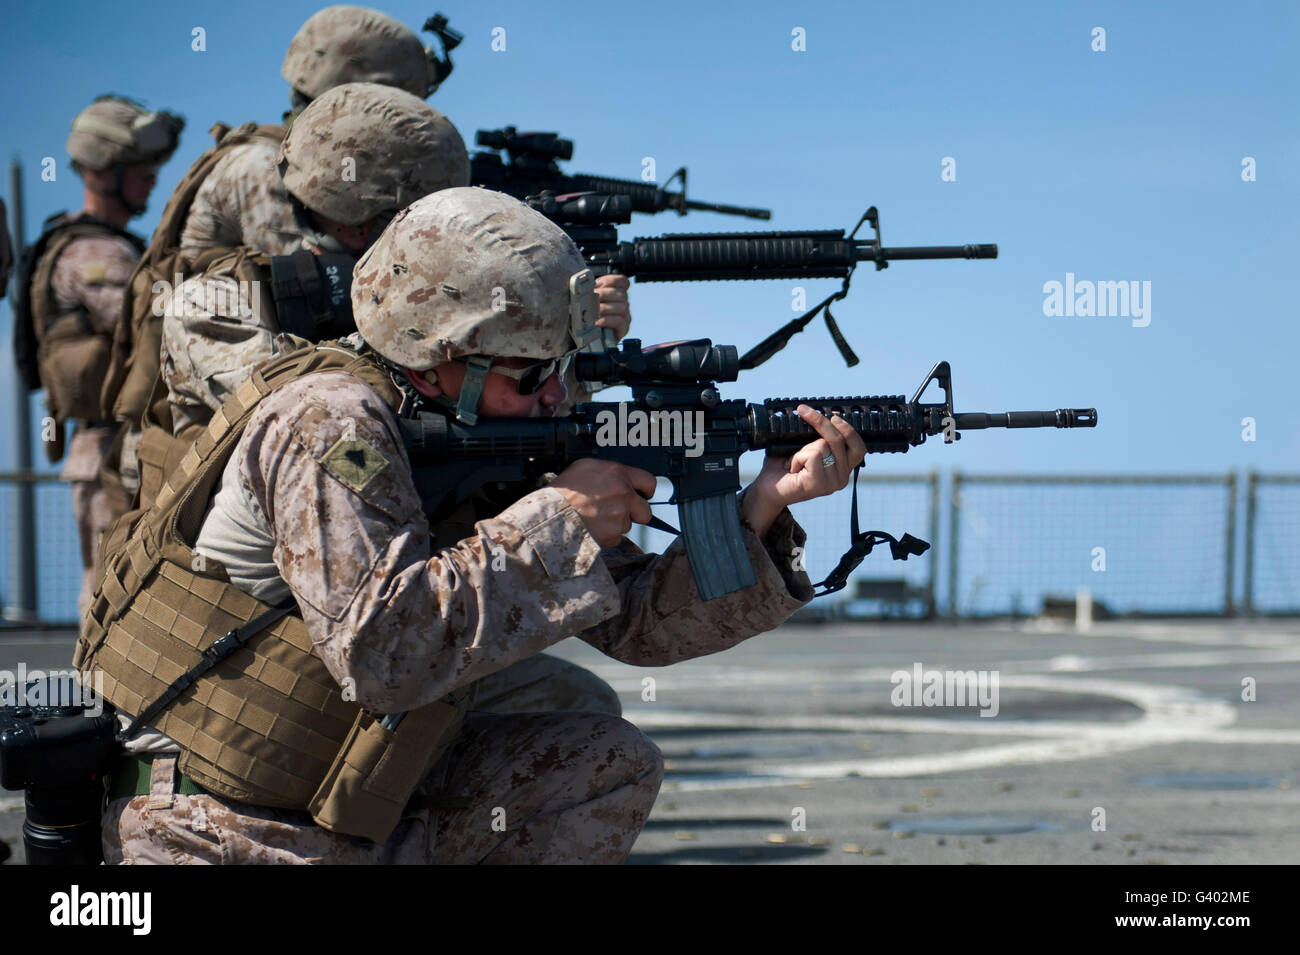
x=639, y=509
x=643, y=482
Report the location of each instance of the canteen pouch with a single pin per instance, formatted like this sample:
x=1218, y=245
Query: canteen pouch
x=377, y=770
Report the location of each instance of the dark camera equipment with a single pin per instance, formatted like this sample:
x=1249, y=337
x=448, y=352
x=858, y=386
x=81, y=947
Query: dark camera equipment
x=59, y=751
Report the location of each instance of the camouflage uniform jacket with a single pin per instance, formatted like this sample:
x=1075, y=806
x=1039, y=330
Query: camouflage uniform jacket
x=213, y=335
x=242, y=201
x=403, y=620
x=211, y=340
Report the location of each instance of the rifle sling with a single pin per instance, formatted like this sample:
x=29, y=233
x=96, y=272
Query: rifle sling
x=860, y=545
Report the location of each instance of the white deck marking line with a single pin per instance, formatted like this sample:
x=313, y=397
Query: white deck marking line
x=1169, y=715
x=1213, y=633
x=1063, y=663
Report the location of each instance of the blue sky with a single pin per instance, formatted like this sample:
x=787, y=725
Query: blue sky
x=1122, y=165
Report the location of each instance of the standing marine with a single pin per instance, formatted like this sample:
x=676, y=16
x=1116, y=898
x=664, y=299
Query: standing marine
x=71, y=285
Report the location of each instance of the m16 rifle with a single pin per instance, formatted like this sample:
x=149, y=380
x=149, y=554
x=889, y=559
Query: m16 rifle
x=591, y=220
x=690, y=435
x=530, y=167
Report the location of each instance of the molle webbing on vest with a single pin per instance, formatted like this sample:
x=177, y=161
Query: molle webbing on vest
x=266, y=725
x=273, y=691
x=158, y=454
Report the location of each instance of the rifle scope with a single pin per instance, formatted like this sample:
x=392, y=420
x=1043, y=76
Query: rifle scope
x=687, y=361
x=537, y=145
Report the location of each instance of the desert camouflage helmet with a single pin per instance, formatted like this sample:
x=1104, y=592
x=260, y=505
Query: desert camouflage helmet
x=115, y=130
x=361, y=149
x=344, y=44
x=472, y=272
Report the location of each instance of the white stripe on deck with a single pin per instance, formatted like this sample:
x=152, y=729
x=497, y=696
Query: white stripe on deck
x=1169, y=715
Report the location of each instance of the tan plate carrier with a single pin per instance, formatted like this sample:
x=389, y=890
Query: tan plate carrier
x=269, y=725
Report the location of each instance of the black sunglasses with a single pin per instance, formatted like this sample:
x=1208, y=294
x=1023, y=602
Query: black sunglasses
x=529, y=380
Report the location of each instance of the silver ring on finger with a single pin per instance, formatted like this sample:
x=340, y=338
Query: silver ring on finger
x=828, y=461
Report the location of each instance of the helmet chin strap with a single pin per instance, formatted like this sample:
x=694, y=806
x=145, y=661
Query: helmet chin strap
x=471, y=390
x=326, y=242
x=414, y=399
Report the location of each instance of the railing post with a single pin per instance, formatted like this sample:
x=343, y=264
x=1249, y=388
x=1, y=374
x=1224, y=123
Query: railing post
x=1248, y=592
x=954, y=507
x=1231, y=544
x=22, y=607
x=932, y=608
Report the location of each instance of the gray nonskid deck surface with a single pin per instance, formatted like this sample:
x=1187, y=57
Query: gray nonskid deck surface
x=1142, y=721
x=790, y=749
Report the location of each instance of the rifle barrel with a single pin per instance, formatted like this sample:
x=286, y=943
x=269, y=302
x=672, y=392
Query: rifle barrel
x=1060, y=418
x=727, y=210
x=985, y=250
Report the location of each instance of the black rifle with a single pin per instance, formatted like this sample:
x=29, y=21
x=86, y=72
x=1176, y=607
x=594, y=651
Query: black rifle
x=591, y=221
x=531, y=168
x=674, y=389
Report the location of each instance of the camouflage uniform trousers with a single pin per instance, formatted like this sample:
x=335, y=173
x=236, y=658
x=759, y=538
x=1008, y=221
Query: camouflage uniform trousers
x=90, y=505
x=544, y=683
x=531, y=788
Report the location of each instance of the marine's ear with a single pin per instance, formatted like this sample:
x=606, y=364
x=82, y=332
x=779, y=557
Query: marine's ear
x=425, y=382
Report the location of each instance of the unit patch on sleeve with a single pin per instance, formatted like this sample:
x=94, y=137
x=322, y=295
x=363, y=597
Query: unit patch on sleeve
x=355, y=462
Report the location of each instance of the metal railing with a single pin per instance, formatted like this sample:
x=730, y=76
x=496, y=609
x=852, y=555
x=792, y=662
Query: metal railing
x=1272, y=584
x=1140, y=544
x=40, y=562
x=1002, y=545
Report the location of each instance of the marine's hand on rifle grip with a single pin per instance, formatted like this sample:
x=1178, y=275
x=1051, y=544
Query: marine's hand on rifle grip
x=805, y=474
x=615, y=312
x=609, y=497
